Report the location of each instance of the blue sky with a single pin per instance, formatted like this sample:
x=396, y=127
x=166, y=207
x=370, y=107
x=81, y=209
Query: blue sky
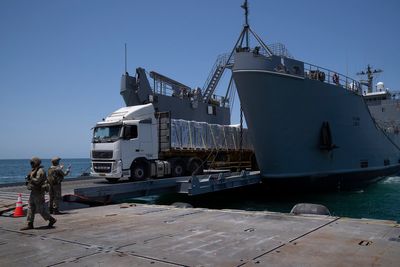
x=61, y=61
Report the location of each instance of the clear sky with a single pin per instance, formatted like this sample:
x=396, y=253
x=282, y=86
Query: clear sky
x=61, y=61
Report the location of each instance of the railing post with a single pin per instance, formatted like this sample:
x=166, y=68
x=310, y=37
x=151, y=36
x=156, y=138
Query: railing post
x=329, y=76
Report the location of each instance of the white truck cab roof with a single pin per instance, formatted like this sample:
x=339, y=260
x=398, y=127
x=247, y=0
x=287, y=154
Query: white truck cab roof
x=139, y=112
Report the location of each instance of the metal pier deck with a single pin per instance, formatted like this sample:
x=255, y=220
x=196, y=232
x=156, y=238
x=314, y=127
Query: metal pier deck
x=191, y=185
x=91, y=189
x=151, y=235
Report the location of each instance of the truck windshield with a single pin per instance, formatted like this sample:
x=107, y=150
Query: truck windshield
x=105, y=134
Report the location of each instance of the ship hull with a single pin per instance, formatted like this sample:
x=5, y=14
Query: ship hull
x=329, y=182
x=284, y=114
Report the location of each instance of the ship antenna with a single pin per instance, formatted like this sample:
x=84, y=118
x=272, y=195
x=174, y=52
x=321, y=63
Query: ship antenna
x=126, y=60
x=370, y=76
x=245, y=6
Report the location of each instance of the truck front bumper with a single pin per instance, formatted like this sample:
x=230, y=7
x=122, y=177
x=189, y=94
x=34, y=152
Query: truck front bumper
x=107, y=169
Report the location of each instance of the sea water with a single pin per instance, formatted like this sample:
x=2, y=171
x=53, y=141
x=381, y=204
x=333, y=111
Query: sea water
x=377, y=201
x=15, y=170
x=380, y=200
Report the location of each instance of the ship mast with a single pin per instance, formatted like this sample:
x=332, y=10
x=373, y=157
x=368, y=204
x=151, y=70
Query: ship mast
x=246, y=23
x=370, y=77
x=242, y=44
x=245, y=34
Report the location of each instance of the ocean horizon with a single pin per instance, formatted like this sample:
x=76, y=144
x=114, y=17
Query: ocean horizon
x=15, y=170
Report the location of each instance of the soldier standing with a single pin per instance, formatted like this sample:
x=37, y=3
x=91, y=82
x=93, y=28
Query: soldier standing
x=36, y=182
x=55, y=177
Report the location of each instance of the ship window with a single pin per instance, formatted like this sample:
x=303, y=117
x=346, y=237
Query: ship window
x=383, y=109
x=296, y=70
x=212, y=110
x=209, y=110
x=364, y=164
x=386, y=162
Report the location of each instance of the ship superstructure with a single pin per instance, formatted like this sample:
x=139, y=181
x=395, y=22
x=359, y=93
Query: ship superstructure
x=182, y=101
x=383, y=103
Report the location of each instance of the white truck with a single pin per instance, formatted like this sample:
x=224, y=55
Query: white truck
x=138, y=143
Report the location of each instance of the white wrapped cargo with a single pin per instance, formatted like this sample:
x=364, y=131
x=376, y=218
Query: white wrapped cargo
x=199, y=134
x=204, y=136
x=176, y=134
x=186, y=134
x=231, y=135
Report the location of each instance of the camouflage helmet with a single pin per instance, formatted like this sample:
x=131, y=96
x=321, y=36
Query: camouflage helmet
x=55, y=160
x=35, y=162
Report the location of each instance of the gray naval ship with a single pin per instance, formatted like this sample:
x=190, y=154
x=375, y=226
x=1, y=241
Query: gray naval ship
x=312, y=126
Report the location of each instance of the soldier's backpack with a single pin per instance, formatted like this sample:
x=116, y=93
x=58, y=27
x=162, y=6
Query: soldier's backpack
x=53, y=176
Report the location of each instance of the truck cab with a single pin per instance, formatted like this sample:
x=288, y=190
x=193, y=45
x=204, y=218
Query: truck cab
x=122, y=138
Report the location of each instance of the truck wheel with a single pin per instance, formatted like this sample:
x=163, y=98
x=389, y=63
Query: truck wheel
x=178, y=168
x=195, y=167
x=138, y=172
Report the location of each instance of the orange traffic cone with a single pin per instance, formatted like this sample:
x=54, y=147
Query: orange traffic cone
x=19, y=212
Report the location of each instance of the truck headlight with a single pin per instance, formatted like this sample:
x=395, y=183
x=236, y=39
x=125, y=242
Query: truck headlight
x=118, y=166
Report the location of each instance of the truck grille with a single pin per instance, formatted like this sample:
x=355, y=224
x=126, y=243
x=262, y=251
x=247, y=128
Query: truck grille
x=102, y=154
x=102, y=167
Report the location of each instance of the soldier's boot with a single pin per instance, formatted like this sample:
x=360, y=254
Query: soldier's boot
x=52, y=221
x=27, y=227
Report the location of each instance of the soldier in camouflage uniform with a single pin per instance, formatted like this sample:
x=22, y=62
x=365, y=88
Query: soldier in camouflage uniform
x=36, y=182
x=55, y=177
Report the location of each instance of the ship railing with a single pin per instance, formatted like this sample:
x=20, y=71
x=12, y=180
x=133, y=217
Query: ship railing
x=395, y=95
x=315, y=72
x=278, y=49
x=221, y=61
x=162, y=88
x=220, y=101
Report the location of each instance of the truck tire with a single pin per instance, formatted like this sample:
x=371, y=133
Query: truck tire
x=178, y=168
x=138, y=172
x=195, y=167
